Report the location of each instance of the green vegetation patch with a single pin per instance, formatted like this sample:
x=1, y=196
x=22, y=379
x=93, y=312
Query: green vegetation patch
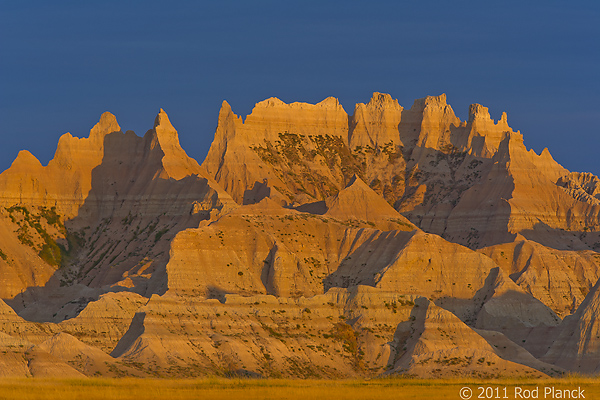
x=160, y=234
x=50, y=251
x=51, y=216
x=293, y=157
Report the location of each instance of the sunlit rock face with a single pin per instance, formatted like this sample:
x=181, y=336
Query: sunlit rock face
x=309, y=243
x=100, y=214
x=472, y=182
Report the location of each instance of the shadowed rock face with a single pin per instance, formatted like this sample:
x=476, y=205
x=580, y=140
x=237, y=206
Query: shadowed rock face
x=104, y=211
x=65, y=182
x=472, y=182
x=309, y=243
x=576, y=342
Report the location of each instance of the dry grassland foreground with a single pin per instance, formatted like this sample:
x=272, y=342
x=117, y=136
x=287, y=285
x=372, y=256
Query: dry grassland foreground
x=292, y=389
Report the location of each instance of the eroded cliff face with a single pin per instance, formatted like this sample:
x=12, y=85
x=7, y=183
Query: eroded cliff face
x=100, y=215
x=309, y=243
x=66, y=181
x=472, y=182
x=233, y=163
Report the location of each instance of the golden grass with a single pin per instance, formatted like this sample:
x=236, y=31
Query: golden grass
x=250, y=389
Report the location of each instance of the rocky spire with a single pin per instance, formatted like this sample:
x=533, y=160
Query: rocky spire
x=375, y=123
x=107, y=124
x=177, y=164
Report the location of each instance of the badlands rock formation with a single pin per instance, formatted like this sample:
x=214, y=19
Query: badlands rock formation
x=309, y=243
x=130, y=201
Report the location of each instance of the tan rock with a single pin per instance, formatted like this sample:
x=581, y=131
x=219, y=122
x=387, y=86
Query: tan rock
x=13, y=362
x=375, y=123
x=44, y=365
x=432, y=119
x=509, y=350
x=230, y=160
x=66, y=181
x=510, y=310
x=88, y=360
x=321, y=269
x=441, y=345
x=102, y=323
x=481, y=125
x=19, y=328
x=20, y=265
x=558, y=278
x=584, y=187
x=19, y=358
x=576, y=343
x=359, y=202
x=429, y=266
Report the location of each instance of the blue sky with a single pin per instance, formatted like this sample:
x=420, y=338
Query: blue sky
x=63, y=63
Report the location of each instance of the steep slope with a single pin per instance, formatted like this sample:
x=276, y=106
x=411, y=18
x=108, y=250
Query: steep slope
x=360, y=331
x=359, y=202
x=267, y=249
x=480, y=186
x=12, y=361
x=576, y=342
x=88, y=360
x=36, y=201
x=472, y=182
x=520, y=195
x=309, y=243
x=132, y=194
x=560, y=279
x=273, y=123
x=66, y=181
x=582, y=186
x=158, y=192
x=263, y=335
x=440, y=345
x=262, y=248
x=28, y=251
x=13, y=325
x=376, y=122
x=19, y=358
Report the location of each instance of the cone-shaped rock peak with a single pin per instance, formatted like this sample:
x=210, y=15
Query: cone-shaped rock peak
x=25, y=160
x=107, y=124
x=165, y=132
x=358, y=201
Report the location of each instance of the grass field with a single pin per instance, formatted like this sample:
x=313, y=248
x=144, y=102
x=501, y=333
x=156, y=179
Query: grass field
x=219, y=388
